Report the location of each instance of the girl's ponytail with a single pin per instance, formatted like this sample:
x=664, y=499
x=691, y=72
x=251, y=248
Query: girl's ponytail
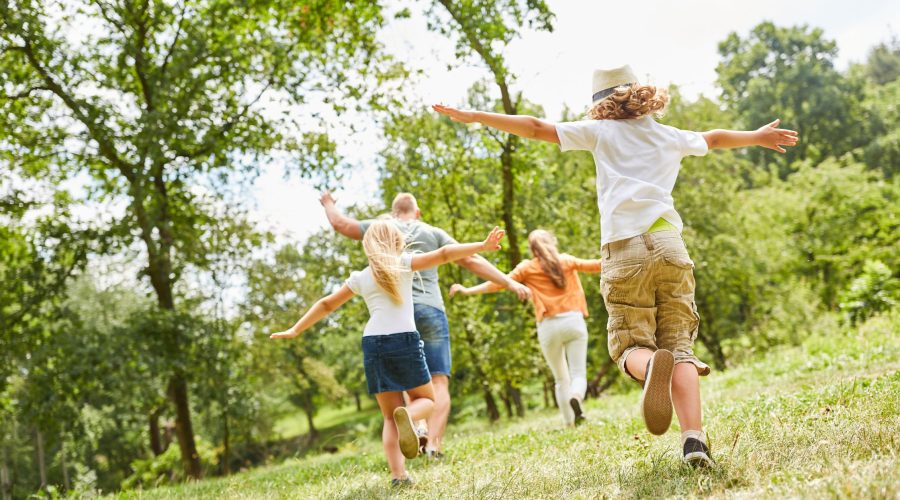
x=543, y=247
x=383, y=244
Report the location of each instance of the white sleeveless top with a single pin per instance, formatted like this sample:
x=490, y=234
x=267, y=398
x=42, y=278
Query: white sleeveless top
x=385, y=315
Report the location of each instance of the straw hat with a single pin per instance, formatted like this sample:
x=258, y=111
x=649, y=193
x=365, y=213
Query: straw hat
x=607, y=80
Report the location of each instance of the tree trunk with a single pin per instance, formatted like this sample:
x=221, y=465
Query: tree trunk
x=493, y=411
x=514, y=254
x=183, y=429
x=156, y=445
x=62, y=462
x=5, y=483
x=358, y=401
x=308, y=409
x=715, y=349
x=594, y=388
x=226, y=445
x=507, y=403
x=515, y=395
x=42, y=465
x=160, y=277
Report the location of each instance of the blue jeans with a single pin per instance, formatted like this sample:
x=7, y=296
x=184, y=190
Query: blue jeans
x=432, y=325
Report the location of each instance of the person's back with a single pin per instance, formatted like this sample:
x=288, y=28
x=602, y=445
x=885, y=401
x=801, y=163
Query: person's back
x=386, y=316
x=422, y=238
x=637, y=164
x=548, y=298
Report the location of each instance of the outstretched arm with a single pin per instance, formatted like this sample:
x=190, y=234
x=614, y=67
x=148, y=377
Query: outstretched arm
x=473, y=290
x=482, y=268
x=456, y=251
x=767, y=136
x=587, y=265
x=348, y=226
x=322, y=308
x=528, y=127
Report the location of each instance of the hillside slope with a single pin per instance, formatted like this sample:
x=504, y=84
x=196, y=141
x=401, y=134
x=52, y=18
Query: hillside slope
x=818, y=420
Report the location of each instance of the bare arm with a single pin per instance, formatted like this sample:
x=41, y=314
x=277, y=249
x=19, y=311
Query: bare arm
x=528, y=127
x=480, y=266
x=767, y=136
x=321, y=309
x=473, y=290
x=348, y=226
x=587, y=265
x=457, y=251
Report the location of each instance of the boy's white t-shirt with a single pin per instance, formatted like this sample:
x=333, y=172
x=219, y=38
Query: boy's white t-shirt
x=385, y=315
x=637, y=164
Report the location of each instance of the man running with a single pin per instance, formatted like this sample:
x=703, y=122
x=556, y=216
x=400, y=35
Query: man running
x=430, y=318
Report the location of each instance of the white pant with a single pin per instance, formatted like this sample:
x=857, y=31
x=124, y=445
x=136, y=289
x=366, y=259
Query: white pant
x=563, y=340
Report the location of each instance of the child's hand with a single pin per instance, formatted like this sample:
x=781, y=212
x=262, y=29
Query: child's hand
x=492, y=242
x=456, y=115
x=287, y=334
x=773, y=138
x=456, y=288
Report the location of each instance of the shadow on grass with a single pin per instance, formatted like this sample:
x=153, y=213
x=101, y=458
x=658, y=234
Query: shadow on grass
x=364, y=424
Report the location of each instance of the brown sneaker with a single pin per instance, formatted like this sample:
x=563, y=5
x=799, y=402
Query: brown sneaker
x=406, y=432
x=656, y=400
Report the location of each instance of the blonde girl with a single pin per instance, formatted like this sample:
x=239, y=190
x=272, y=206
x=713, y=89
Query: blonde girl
x=393, y=358
x=560, y=308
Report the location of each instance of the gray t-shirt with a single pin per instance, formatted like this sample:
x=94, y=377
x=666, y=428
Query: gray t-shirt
x=421, y=238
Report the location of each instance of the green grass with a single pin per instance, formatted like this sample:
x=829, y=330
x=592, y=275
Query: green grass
x=328, y=418
x=819, y=420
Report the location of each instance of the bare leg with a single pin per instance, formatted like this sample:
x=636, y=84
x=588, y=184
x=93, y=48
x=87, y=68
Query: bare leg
x=636, y=362
x=421, y=402
x=437, y=422
x=686, y=396
x=388, y=401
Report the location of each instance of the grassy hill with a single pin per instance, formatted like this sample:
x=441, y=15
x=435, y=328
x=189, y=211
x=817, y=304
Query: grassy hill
x=818, y=420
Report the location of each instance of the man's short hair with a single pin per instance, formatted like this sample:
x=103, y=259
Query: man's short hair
x=404, y=203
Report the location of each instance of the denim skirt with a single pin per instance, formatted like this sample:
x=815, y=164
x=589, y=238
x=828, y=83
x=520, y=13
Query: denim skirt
x=394, y=362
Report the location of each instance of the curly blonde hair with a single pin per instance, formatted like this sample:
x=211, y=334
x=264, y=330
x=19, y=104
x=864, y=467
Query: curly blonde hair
x=631, y=101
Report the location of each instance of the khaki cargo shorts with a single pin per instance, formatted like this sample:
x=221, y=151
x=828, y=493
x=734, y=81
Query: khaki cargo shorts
x=648, y=287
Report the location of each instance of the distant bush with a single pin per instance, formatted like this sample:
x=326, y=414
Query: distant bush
x=873, y=291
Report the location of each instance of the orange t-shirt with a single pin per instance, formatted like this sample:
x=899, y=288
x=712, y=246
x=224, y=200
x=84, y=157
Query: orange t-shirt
x=548, y=299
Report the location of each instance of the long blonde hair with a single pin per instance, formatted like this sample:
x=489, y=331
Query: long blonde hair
x=383, y=244
x=631, y=101
x=543, y=247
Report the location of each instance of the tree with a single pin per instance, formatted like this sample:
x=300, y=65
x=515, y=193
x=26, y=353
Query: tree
x=483, y=27
x=157, y=102
x=883, y=63
x=789, y=73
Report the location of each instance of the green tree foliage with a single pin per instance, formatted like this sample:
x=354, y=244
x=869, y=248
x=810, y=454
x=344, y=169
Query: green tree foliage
x=789, y=73
x=158, y=103
x=883, y=63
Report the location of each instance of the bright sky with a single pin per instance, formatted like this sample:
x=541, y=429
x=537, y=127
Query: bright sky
x=663, y=41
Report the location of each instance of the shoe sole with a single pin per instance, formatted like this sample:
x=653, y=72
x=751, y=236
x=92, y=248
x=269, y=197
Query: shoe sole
x=576, y=407
x=698, y=459
x=656, y=400
x=406, y=432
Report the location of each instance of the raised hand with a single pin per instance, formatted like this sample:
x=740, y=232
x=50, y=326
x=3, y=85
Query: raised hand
x=492, y=242
x=326, y=199
x=456, y=115
x=773, y=138
x=456, y=288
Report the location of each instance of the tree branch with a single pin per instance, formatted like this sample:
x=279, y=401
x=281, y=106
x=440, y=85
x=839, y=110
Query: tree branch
x=171, y=50
x=141, y=32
